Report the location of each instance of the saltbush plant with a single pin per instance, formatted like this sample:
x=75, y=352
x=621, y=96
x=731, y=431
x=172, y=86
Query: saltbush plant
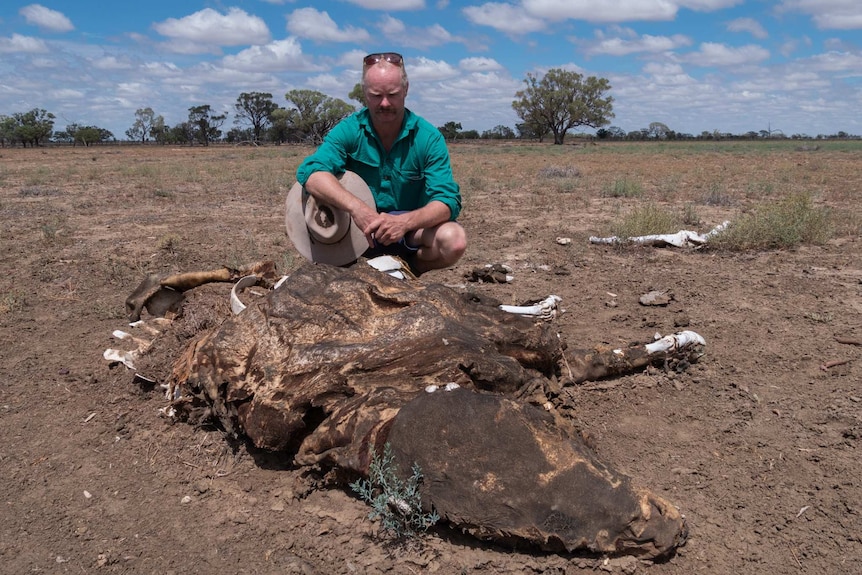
x=395, y=502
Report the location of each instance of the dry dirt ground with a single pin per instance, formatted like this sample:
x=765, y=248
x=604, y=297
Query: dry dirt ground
x=757, y=444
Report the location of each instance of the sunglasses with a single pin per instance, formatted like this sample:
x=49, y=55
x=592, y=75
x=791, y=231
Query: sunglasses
x=391, y=57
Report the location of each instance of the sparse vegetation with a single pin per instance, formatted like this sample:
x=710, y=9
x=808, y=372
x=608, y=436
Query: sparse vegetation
x=623, y=188
x=395, y=502
x=786, y=223
x=647, y=220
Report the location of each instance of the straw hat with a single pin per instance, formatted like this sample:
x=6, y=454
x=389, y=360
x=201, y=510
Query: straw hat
x=323, y=233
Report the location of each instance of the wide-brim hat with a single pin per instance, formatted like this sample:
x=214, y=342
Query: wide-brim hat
x=323, y=233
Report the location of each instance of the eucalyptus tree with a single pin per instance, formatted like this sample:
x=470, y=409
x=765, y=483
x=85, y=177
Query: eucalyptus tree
x=254, y=108
x=561, y=100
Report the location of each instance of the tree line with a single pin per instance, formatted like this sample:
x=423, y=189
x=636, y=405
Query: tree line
x=550, y=106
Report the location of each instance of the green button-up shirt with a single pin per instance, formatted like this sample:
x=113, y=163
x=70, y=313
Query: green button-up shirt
x=415, y=172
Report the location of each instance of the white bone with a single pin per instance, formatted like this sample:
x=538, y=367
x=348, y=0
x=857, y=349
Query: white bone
x=546, y=309
x=236, y=305
x=681, y=239
x=676, y=341
x=127, y=358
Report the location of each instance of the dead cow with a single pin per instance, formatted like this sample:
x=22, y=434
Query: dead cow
x=336, y=362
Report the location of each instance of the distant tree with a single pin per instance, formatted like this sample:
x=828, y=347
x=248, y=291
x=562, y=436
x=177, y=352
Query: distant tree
x=531, y=129
x=314, y=113
x=158, y=130
x=206, y=124
x=469, y=135
x=8, y=125
x=450, y=130
x=562, y=100
x=182, y=133
x=145, y=121
x=658, y=131
x=358, y=94
x=280, y=127
x=499, y=133
x=33, y=127
x=236, y=135
x=88, y=135
x=254, y=108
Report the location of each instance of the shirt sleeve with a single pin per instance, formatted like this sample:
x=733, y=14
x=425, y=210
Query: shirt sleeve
x=440, y=184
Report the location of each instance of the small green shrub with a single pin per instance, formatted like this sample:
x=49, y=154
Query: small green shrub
x=623, y=188
x=646, y=220
x=785, y=224
x=395, y=502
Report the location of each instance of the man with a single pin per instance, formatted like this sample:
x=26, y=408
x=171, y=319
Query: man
x=404, y=161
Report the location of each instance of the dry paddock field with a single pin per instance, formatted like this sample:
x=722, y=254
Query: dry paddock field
x=758, y=443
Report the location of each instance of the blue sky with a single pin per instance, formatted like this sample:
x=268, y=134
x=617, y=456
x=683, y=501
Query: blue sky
x=694, y=65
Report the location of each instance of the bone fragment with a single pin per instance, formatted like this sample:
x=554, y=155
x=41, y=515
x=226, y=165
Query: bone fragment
x=546, y=309
x=681, y=239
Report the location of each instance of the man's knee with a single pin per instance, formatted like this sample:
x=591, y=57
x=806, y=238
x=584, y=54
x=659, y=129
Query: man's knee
x=452, y=240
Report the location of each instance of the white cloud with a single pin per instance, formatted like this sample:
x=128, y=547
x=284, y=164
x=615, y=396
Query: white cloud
x=45, y=18
x=276, y=56
x=423, y=69
x=19, y=43
x=828, y=14
x=315, y=25
x=749, y=25
x=646, y=43
x=111, y=63
x=721, y=55
x=479, y=65
x=402, y=35
x=212, y=28
x=592, y=11
x=389, y=5
x=504, y=17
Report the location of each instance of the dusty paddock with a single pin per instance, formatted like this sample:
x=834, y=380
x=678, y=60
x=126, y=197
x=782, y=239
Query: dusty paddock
x=756, y=444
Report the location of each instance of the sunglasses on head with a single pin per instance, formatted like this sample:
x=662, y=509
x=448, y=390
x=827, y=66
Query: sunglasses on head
x=391, y=57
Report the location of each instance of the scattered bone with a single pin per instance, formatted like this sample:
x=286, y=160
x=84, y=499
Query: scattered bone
x=564, y=241
x=835, y=363
x=545, y=309
x=681, y=239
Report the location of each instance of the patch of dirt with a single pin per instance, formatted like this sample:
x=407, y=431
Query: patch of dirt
x=757, y=443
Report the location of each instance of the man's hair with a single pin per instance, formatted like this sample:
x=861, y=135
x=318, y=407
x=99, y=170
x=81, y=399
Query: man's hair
x=385, y=63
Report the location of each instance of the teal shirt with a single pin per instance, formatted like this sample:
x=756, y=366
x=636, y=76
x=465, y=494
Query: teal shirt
x=415, y=172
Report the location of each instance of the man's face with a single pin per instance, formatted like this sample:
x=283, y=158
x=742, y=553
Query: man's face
x=385, y=95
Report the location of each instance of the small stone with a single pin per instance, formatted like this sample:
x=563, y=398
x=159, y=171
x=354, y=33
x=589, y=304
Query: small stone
x=186, y=499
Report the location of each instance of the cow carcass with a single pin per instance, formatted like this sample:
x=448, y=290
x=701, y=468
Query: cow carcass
x=334, y=363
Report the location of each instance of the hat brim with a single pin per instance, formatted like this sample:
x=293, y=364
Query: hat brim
x=343, y=252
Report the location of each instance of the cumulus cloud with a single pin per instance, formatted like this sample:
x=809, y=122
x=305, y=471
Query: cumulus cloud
x=479, y=65
x=19, y=43
x=592, y=11
x=506, y=18
x=111, y=63
x=276, y=56
x=749, y=25
x=828, y=14
x=423, y=69
x=721, y=55
x=645, y=43
x=315, y=25
x=413, y=37
x=38, y=15
x=210, y=27
x=389, y=5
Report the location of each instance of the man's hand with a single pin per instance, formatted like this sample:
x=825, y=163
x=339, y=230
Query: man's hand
x=387, y=229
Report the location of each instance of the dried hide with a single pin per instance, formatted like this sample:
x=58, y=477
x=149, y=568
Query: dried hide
x=336, y=361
